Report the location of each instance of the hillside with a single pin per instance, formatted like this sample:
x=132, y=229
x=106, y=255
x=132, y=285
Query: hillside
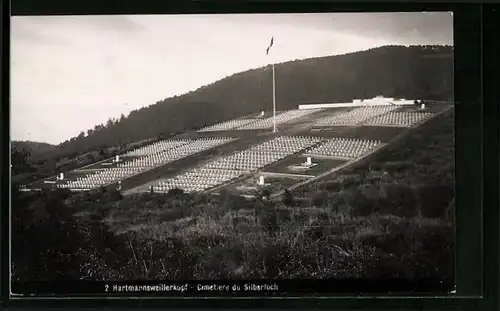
x=387, y=218
x=393, y=71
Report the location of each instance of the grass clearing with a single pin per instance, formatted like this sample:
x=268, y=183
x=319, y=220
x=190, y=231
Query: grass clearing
x=323, y=165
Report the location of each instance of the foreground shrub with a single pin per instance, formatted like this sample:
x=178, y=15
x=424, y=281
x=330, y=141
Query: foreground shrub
x=413, y=248
x=360, y=205
x=357, y=233
x=400, y=200
x=45, y=239
x=434, y=200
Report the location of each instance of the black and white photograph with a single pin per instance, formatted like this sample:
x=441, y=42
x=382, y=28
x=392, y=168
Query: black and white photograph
x=233, y=147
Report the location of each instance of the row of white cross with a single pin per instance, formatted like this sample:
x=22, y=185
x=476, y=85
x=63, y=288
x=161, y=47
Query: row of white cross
x=376, y=115
x=255, y=123
x=355, y=116
x=225, y=169
x=345, y=147
x=280, y=119
x=157, y=147
x=229, y=167
x=401, y=119
x=141, y=164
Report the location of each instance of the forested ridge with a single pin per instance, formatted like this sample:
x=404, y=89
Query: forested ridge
x=36, y=148
x=424, y=72
x=23, y=151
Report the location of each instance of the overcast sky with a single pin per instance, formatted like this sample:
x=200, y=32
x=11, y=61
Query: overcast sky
x=69, y=73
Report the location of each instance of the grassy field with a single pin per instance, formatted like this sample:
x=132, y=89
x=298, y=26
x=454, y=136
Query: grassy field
x=249, y=186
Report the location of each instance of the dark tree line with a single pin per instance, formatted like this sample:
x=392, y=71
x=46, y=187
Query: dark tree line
x=422, y=72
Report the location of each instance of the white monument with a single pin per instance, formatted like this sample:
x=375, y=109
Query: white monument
x=308, y=161
x=422, y=106
x=61, y=176
x=262, y=113
x=307, y=164
x=117, y=158
x=261, y=180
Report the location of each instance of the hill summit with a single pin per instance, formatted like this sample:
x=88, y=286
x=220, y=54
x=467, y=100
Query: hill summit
x=424, y=72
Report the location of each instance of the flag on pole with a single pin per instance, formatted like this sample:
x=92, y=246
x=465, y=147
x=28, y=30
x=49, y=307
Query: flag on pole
x=270, y=45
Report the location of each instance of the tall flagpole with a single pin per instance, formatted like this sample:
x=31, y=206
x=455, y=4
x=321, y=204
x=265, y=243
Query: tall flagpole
x=274, y=85
x=274, y=101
